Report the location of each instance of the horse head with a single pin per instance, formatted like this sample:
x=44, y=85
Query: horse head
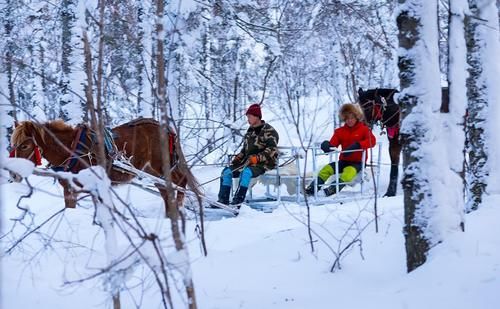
x=24, y=145
x=376, y=102
x=366, y=101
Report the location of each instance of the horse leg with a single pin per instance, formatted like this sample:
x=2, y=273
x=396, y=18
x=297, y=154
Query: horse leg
x=180, y=199
x=394, y=152
x=177, y=202
x=165, y=197
x=69, y=194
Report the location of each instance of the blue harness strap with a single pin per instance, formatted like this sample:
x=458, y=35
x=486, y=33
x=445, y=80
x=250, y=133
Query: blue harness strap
x=78, y=149
x=109, y=142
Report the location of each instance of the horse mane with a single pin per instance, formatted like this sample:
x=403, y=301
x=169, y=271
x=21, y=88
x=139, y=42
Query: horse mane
x=25, y=130
x=19, y=134
x=30, y=129
x=58, y=126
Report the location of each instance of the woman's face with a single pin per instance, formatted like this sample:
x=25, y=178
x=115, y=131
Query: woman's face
x=350, y=120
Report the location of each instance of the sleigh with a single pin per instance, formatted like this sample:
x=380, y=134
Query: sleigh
x=297, y=166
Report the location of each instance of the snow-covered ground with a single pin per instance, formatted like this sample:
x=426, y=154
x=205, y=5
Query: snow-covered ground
x=256, y=260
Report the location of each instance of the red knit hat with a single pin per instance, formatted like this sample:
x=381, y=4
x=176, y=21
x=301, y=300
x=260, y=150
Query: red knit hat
x=254, y=110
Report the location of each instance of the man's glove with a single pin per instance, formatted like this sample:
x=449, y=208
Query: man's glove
x=354, y=146
x=236, y=160
x=325, y=146
x=253, y=160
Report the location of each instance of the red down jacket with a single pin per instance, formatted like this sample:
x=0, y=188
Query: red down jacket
x=345, y=136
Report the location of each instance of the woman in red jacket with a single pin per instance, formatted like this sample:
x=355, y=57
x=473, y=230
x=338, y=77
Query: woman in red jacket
x=353, y=135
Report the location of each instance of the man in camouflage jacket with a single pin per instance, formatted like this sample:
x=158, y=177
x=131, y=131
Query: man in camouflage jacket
x=258, y=155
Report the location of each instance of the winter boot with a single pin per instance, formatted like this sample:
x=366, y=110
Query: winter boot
x=239, y=197
x=393, y=182
x=332, y=189
x=310, y=188
x=223, y=196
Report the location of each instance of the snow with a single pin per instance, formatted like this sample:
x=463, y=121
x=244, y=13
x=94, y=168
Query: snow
x=256, y=260
x=22, y=167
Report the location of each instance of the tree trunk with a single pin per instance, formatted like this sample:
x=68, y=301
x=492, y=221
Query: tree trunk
x=8, y=26
x=170, y=200
x=99, y=125
x=67, y=20
x=417, y=39
x=477, y=111
x=455, y=97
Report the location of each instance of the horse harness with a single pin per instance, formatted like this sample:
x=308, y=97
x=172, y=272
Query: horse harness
x=80, y=149
x=171, y=136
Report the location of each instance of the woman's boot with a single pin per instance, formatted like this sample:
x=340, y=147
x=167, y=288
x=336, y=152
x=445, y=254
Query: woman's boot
x=310, y=188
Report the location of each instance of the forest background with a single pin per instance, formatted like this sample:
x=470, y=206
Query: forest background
x=61, y=59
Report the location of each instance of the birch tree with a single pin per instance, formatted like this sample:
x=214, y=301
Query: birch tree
x=454, y=119
x=482, y=95
x=8, y=51
x=426, y=171
x=165, y=119
x=67, y=16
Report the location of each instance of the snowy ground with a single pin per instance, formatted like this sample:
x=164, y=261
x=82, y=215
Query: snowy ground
x=257, y=260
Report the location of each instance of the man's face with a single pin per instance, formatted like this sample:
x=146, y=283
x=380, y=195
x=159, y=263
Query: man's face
x=253, y=120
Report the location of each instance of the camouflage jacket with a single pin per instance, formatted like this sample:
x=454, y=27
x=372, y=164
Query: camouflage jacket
x=263, y=142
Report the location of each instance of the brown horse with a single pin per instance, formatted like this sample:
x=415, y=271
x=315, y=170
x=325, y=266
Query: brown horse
x=72, y=149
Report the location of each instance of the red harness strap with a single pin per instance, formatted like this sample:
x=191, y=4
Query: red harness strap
x=171, y=146
x=38, y=156
x=377, y=112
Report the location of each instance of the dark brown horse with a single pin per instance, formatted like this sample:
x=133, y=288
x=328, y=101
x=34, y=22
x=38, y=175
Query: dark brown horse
x=378, y=106
x=72, y=149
